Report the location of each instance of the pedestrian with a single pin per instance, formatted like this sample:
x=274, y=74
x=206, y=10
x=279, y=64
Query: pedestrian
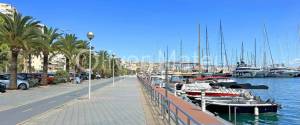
x=77, y=79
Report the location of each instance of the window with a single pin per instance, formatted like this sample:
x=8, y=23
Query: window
x=2, y=77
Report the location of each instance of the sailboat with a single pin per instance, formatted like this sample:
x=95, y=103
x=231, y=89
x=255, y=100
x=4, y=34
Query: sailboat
x=223, y=71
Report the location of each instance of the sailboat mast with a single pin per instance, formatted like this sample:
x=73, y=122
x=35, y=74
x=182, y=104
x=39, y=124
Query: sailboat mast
x=206, y=49
x=255, y=52
x=167, y=65
x=242, y=58
x=199, y=51
x=267, y=40
x=181, y=56
x=223, y=46
x=221, y=34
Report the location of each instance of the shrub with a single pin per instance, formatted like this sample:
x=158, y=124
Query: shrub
x=61, y=76
x=33, y=82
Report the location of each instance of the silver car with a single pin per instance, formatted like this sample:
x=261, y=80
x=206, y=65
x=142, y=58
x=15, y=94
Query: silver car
x=21, y=84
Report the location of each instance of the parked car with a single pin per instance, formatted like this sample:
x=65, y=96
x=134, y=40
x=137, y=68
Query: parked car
x=2, y=88
x=50, y=78
x=71, y=76
x=98, y=76
x=21, y=83
x=33, y=78
x=84, y=76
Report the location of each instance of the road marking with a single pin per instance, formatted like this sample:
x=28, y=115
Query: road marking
x=27, y=110
x=51, y=102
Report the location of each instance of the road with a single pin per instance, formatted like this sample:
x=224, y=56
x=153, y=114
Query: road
x=22, y=113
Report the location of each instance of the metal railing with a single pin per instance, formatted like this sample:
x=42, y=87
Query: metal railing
x=167, y=108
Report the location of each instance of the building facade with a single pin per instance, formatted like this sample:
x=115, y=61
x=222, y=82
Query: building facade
x=7, y=9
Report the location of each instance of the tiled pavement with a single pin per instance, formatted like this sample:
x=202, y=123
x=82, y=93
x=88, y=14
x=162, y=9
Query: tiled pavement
x=15, y=98
x=111, y=105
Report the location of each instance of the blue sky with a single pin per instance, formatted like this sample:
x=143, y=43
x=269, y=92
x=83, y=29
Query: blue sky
x=142, y=27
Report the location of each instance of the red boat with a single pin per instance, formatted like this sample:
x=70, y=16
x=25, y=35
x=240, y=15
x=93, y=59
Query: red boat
x=202, y=78
x=194, y=91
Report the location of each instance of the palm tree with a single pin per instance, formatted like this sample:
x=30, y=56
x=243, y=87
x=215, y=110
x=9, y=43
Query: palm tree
x=46, y=45
x=68, y=45
x=103, y=66
x=30, y=52
x=4, y=53
x=16, y=31
x=83, y=57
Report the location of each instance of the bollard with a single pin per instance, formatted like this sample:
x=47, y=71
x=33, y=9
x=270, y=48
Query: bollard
x=203, y=106
x=256, y=111
x=235, y=115
x=229, y=113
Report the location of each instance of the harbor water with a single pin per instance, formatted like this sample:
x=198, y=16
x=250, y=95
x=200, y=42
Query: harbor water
x=285, y=91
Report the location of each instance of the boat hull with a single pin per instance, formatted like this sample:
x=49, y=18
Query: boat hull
x=241, y=109
x=214, y=94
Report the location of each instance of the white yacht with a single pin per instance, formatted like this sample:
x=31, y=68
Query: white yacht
x=246, y=71
x=282, y=71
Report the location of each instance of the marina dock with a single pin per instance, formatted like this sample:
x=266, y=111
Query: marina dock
x=177, y=110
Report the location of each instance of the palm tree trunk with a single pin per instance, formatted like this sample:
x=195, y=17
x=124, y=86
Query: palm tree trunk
x=45, y=69
x=68, y=65
x=74, y=76
x=13, y=69
x=68, y=68
x=30, y=63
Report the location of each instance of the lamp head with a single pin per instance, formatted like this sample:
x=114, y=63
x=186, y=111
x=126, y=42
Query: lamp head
x=90, y=35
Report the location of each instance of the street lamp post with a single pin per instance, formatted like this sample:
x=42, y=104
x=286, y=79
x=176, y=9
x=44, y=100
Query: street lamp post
x=90, y=36
x=113, y=69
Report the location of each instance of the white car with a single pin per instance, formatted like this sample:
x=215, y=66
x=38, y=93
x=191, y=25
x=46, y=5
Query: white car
x=21, y=84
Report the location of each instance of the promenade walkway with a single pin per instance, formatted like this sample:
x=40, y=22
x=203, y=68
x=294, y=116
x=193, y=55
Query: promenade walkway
x=122, y=104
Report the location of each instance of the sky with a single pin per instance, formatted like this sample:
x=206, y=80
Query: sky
x=146, y=27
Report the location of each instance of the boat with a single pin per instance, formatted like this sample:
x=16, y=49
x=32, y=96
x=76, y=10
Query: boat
x=194, y=90
x=246, y=71
x=220, y=81
x=282, y=71
x=241, y=104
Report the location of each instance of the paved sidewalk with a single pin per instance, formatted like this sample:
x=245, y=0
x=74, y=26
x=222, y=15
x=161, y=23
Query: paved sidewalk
x=111, y=105
x=14, y=98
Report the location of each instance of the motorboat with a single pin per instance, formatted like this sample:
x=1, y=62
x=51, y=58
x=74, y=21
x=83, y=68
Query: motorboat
x=282, y=71
x=239, y=105
x=194, y=90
